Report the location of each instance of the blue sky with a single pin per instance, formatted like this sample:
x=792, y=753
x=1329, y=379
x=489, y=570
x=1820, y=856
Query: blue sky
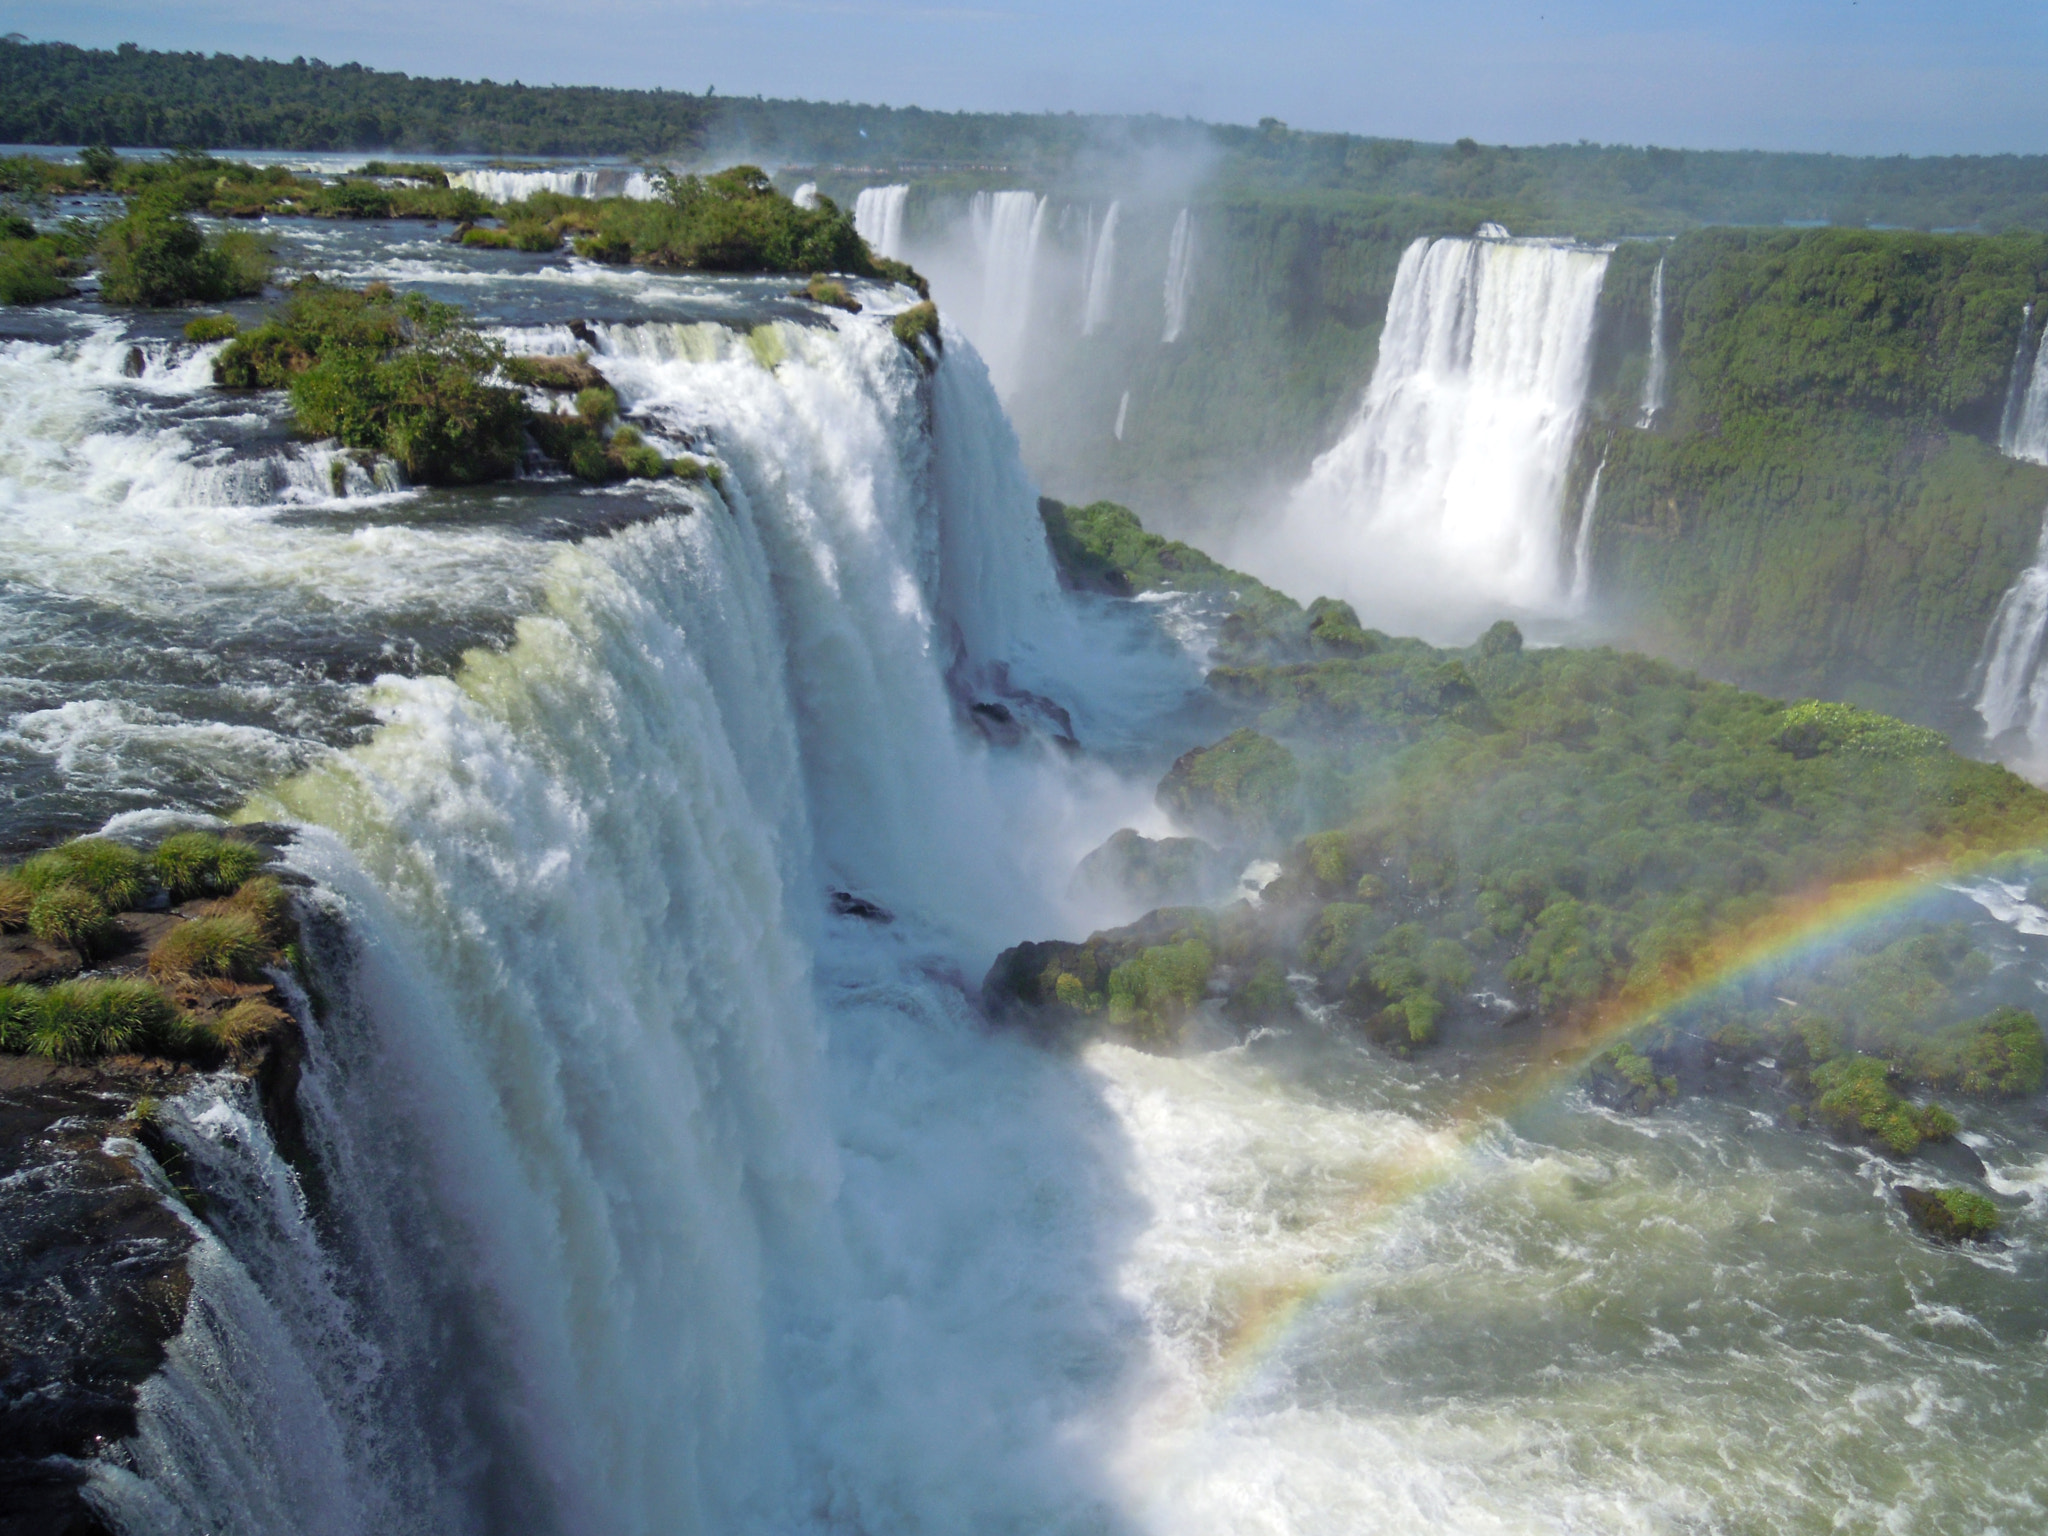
x=1861, y=76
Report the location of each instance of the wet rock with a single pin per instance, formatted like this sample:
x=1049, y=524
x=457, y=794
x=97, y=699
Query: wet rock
x=135, y=364
x=1950, y=1215
x=1152, y=872
x=564, y=375
x=846, y=904
x=25, y=958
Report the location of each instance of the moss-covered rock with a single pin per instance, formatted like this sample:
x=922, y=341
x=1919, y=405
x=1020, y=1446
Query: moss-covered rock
x=1950, y=1214
x=1243, y=790
x=1154, y=872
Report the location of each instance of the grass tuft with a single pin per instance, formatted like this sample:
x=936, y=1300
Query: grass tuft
x=194, y=864
x=229, y=947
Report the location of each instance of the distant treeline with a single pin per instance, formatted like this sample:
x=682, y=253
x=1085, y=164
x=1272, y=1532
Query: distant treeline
x=53, y=93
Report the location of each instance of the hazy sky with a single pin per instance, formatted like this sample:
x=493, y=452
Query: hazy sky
x=1864, y=76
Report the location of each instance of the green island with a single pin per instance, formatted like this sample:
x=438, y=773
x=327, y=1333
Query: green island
x=1560, y=832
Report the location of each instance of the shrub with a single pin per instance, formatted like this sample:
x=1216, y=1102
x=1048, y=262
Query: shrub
x=33, y=271
x=15, y=900
x=112, y=871
x=19, y=1009
x=597, y=405
x=71, y=916
x=918, y=321
x=263, y=902
x=1950, y=1214
x=248, y=1020
x=2006, y=1056
x=78, y=1020
x=204, y=328
x=1854, y=1096
x=1151, y=994
x=561, y=374
x=156, y=257
x=829, y=291
x=193, y=864
x=227, y=947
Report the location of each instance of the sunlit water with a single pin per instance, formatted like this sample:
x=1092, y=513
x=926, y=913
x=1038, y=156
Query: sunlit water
x=653, y=1196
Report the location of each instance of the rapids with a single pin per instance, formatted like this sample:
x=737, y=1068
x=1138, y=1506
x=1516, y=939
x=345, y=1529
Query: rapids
x=651, y=1192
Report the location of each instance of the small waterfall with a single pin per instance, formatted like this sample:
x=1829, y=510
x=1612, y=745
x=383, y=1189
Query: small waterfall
x=1442, y=500
x=1007, y=228
x=878, y=219
x=806, y=196
x=517, y=186
x=1653, y=381
x=2023, y=434
x=1123, y=411
x=1101, y=275
x=2012, y=692
x=1582, y=545
x=1180, y=257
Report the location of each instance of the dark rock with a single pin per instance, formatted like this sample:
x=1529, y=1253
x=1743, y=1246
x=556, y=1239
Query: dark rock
x=582, y=331
x=564, y=375
x=135, y=364
x=24, y=957
x=846, y=904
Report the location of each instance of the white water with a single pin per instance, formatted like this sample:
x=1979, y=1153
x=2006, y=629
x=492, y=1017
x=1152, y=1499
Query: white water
x=1180, y=262
x=1007, y=228
x=805, y=196
x=1095, y=302
x=1654, y=380
x=515, y=186
x=1582, y=542
x=2012, y=693
x=878, y=218
x=2027, y=437
x=1439, y=507
x=1123, y=411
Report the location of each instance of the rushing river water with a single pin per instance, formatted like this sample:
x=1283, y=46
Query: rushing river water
x=658, y=1194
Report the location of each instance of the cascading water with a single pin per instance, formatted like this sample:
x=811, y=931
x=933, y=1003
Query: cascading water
x=1007, y=228
x=1095, y=300
x=1123, y=411
x=878, y=218
x=2012, y=691
x=1440, y=505
x=1180, y=261
x=596, y=181
x=2025, y=433
x=1582, y=542
x=1654, y=380
x=805, y=196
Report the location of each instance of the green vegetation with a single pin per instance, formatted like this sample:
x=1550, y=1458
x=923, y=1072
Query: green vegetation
x=830, y=291
x=1852, y=1094
x=1566, y=828
x=1243, y=789
x=112, y=873
x=1951, y=1214
x=918, y=323
x=578, y=439
x=157, y=257
x=230, y=947
x=1822, y=507
x=71, y=917
x=402, y=376
x=36, y=268
x=192, y=864
x=76, y=1021
x=731, y=221
x=205, y=328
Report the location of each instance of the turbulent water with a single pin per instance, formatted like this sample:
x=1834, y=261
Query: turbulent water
x=658, y=1190
x=502, y=186
x=1440, y=506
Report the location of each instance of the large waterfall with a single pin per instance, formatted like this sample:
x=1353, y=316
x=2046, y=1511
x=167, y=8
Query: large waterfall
x=2024, y=432
x=878, y=218
x=1440, y=504
x=1007, y=228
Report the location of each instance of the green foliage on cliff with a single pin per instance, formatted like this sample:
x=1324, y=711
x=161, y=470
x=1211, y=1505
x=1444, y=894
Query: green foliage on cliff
x=153, y=255
x=1821, y=508
x=1243, y=789
x=399, y=375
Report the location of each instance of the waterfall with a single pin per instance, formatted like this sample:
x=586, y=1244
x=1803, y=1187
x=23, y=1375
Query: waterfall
x=684, y=1173
x=878, y=219
x=806, y=196
x=1007, y=229
x=1441, y=502
x=1653, y=381
x=1101, y=275
x=1180, y=256
x=1582, y=544
x=1123, y=411
x=2013, y=688
x=596, y=181
x=2024, y=432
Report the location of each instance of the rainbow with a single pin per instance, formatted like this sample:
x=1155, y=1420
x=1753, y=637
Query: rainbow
x=1798, y=928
